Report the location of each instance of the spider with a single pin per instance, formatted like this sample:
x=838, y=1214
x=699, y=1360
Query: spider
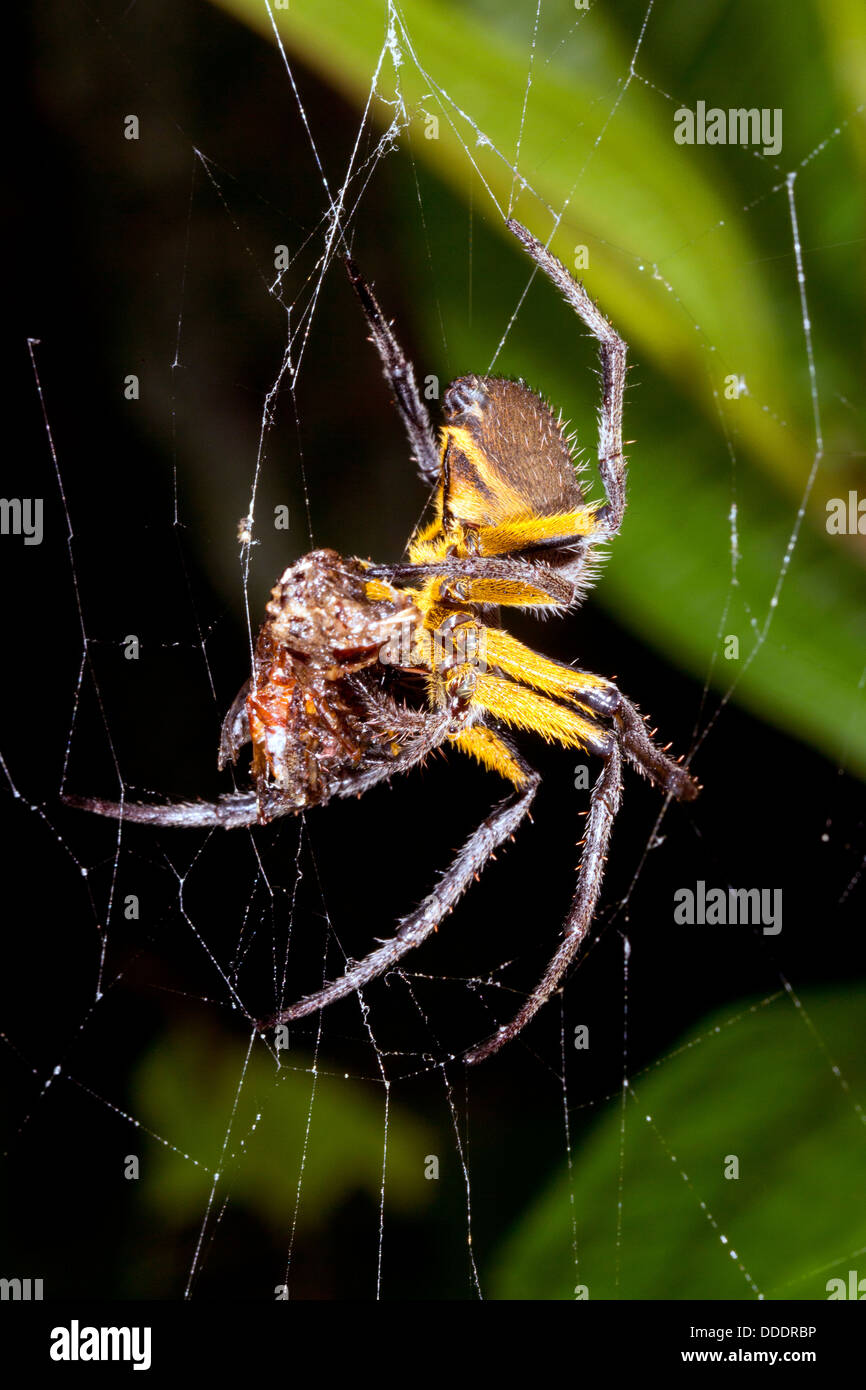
x=327, y=710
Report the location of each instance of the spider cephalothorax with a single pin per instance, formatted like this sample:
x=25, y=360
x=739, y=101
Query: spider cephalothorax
x=325, y=708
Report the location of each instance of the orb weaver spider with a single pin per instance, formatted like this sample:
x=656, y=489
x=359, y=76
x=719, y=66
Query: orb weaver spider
x=326, y=709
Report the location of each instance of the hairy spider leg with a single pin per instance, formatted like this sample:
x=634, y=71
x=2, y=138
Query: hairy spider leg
x=506, y=581
x=604, y=805
x=514, y=703
x=408, y=735
x=231, y=811
x=596, y=694
x=492, y=750
x=520, y=706
x=612, y=350
x=400, y=376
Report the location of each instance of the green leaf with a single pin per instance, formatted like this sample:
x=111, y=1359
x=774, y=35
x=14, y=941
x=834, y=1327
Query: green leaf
x=759, y=1088
x=691, y=254
x=257, y=1134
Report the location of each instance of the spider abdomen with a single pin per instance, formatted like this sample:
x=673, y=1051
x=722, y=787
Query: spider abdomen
x=505, y=453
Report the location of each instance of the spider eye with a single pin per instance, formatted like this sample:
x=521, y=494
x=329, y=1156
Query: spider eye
x=466, y=396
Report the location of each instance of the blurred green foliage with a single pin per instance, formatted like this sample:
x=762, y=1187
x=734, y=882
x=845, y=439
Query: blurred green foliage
x=786, y=1223
x=282, y=1121
x=650, y=1208
x=299, y=1148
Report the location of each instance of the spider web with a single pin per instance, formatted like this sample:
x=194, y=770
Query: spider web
x=139, y=960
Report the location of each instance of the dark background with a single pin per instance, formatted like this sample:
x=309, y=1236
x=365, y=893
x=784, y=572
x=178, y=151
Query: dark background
x=115, y=242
